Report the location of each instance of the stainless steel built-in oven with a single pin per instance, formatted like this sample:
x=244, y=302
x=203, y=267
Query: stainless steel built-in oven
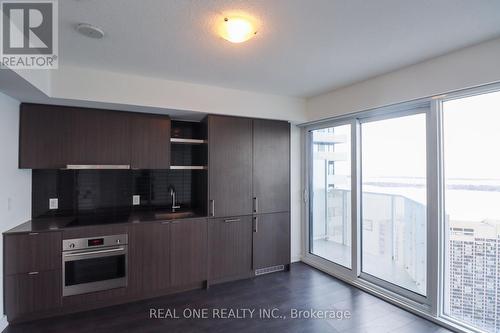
x=94, y=264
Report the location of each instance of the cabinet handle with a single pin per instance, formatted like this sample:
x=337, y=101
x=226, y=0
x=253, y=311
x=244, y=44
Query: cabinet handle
x=33, y=233
x=165, y=222
x=33, y=273
x=212, y=207
x=255, y=205
x=255, y=224
x=232, y=220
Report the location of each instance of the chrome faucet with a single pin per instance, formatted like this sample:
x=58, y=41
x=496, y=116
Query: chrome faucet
x=172, y=193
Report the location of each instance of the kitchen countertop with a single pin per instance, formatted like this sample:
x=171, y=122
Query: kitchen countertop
x=60, y=223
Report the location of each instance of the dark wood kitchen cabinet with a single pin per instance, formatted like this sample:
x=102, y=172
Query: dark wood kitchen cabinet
x=230, y=248
x=249, y=166
x=188, y=251
x=96, y=137
x=55, y=136
x=167, y=254
x=32, y=252
x=42, y=136
x=271, y=240
x=149, y=257
x=230, y=166
x=271, y=166
x=150, y=141
x=249, y=173
x=32, y=293
x=51, y=137
x=32, y=273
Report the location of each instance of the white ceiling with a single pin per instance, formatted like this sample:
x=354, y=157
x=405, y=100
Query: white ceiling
x=303, y=47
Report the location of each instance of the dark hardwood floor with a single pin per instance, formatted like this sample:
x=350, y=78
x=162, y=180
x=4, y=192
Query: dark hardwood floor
x=302, y=288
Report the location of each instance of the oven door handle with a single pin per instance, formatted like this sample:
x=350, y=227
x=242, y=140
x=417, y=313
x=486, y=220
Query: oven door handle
x=85, y=253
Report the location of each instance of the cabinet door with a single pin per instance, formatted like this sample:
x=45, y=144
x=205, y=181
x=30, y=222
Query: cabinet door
x=32, y=252
x=97, y=137
x=271, y=166
x=149, y=257
x=230, y=247
x=230, y=166
x=53, y=136
x=188, y=256
x=271, y=240
x=31, y=293
x=150, y=141
x=42, y=134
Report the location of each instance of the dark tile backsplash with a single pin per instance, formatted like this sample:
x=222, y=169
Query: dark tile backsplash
x=82, y=192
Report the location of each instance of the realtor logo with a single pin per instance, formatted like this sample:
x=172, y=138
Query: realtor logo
x=29, y=34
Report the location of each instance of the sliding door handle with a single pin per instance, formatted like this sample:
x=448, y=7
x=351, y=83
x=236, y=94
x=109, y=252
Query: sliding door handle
x=212, y=207
x=255, y=205
x=232, y=220
x=255, y=224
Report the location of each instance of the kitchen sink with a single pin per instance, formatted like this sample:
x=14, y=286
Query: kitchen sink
x=174, y=215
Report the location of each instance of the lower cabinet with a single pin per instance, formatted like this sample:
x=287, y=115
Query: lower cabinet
x=188, y=251
x=230, y=247
x=162, y=257
x=165, y=255
x=149, y=257
x=271, y=240
x=32, y=252
x=31, y=293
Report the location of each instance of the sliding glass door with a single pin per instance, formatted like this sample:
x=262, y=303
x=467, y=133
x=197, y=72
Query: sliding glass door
x=405, y=201
x=330, y=182
x=471, y=137
x=394, y=201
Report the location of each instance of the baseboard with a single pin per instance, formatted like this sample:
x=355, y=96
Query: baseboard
x=3, y=323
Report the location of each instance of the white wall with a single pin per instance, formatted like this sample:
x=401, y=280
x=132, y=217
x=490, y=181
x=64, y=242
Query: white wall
x=15, y=184
x=84, y=84
x=466, y=68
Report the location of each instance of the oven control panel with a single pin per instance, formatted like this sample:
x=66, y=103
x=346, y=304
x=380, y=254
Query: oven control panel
x=94, y=242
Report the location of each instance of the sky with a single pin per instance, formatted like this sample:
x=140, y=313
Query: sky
x=471, y=136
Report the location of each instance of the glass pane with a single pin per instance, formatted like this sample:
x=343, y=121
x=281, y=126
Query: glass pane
x=95, y=269
x=330, y=230
x=394, y=201
x=471, y=134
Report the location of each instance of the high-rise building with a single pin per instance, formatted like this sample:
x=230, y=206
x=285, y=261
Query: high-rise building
x=473, y=270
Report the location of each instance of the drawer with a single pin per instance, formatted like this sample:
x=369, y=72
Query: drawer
x=95, y=231
x=32, y=252
x=32, y=292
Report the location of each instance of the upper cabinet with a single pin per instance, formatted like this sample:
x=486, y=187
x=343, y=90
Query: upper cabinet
x=53, y=137
x=43, y=130
x=230, y=166
x=150, y=141
x=249, y=166
x=271, y=166
x=95, y=137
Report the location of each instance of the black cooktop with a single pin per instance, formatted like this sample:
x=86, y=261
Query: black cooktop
x=85, y=220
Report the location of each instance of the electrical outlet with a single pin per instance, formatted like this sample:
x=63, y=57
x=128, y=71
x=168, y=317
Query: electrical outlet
x=53, y=203
x=136, y=200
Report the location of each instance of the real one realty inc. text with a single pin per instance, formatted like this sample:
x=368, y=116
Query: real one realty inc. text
x=247, y=313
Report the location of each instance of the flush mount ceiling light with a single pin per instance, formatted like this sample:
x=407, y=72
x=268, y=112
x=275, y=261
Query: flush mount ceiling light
x=90, y=30
x=237, y=29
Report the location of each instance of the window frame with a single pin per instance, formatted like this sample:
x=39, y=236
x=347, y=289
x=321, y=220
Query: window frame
x=433, y=307
x=354, y=275
x=340, y=269
x=440, y=303
x=409, y=294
